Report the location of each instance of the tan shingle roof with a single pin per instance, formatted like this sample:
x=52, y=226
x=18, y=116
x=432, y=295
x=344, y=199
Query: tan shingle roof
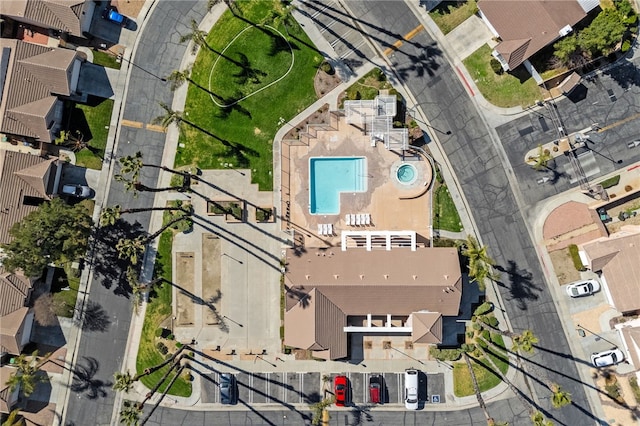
x=19, y=178
x=538, y=21
x=617, y=258
x=426, y=327
x=5, y=394
x=35, y=76
x=63, y=15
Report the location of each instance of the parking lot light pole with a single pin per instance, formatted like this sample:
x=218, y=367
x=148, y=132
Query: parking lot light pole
x=597, y=335
x=407, y=355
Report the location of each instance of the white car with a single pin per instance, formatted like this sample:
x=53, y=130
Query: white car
x=79, y=191
x=583, y=288
x=609, y=357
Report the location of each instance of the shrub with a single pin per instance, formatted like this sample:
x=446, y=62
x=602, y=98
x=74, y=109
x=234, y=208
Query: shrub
x=445, y=354
x=179, y=345
x=612, y=181
x=577, y=262
x=170, y=337
x=327, y=68
x=626, y=45
x=162, y=348
x=496, y=66
x=483, y=309
x=159, y=331
x=628, y=188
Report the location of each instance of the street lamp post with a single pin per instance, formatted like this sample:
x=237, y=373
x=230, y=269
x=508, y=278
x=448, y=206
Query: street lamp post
x=121, y=57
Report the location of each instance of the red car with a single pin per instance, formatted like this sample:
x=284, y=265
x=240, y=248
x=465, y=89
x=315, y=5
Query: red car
x=341, y=390
x=375, y=389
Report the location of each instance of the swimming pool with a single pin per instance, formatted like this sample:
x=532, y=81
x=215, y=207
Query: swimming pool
x=329, y=176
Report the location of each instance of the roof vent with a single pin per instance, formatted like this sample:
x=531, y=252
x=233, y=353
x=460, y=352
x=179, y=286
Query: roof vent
x=566, y=30
x=386, y=276
x=415, y=277
x=446, y=276
x=336, y=276
x=307, y=277
x=361, y=277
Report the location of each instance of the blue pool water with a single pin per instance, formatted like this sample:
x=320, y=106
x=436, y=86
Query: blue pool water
x=329, y=176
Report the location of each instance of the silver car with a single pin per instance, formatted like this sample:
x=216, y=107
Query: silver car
x=78, y=191
x=612, y=356
x=583, y=288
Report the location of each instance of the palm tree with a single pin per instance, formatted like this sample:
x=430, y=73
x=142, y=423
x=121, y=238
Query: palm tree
x=175, y=117
x=542, y=158
x=14, y=419
x=131, y=248
x=559, y=397
x=480, y=262
x=197, y=36
x=110, y=215
x=178, y=78
x=123, y=381
x=538, y=419
x=130, y=413
x=164, y=393
x=27, y=375
x=476, y=389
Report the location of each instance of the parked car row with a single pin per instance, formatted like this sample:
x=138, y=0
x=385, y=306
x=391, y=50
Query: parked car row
x=377, y=390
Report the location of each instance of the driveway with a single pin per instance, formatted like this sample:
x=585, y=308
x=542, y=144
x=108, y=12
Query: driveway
x=469, y=36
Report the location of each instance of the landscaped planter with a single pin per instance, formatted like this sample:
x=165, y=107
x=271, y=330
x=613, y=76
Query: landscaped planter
x=265, y=214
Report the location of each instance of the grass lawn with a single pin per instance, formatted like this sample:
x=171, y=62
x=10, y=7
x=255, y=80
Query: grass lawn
x=445, y=215
x=106, y=60
x=487, y=379
x=93, y=121
x=242, y=135
x=505, y=90
x=449, y=14
x=158, y=309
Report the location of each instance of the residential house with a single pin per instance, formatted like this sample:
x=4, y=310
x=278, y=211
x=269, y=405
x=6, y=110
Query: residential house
x=616, y=259
x=525, y=27
x=26, y=181
x=331, y=293
x=16, y=318
x=72, y=17
x=7, y=398
x=34, y=81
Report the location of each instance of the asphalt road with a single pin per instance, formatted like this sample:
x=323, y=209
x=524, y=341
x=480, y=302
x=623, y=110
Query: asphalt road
x=362, y=415
x=589, y=103
x=420, y=63
x=101, y=351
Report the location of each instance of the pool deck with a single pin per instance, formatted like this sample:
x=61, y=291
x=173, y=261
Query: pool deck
x=385, y=199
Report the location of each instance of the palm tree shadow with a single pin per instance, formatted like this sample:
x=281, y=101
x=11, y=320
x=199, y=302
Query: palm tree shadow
x=84, y=380
x=298, y=294
x=93, y=318
x=521, y=286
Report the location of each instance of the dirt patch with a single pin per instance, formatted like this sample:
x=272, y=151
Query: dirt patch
x=257, y=131
x=211, y=278
x=563, y=266
x=185, y=263
x=321, y=116
x=130, y=8
x=325, y=82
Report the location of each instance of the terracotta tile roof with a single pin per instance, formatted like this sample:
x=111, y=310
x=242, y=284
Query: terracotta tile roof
x=525, y=27
x=35, y=76
x=23, y=175
x=63, y=15
x=617, y=258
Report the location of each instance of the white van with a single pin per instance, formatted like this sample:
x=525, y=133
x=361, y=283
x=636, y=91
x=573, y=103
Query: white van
x=411, y=389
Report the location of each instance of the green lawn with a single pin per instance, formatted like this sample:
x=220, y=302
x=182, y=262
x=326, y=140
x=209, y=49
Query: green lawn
x=64, y=301
x=368, y=86
x=106, y=60
x=505, y=90
x=487, y=379
x=158, y=309
x=445, y=214
x=93, y=121
x=449, y=14
x=242, y=136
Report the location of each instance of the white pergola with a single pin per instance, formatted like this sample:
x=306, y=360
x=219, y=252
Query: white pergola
x=378, y=239
x=375, y=117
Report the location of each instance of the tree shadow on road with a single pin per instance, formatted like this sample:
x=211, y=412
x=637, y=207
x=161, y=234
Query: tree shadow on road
x=93, y=318
x=85, y=382
x=626, y=75
x=521, y=286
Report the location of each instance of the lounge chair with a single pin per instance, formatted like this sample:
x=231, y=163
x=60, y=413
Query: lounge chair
x=367, y=219
x=325, y=228
x=358, y=220
x=329, y=229
x=353, y=219
x=347, y=219
x=320, y=229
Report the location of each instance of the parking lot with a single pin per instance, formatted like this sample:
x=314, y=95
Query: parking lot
x=307, y=388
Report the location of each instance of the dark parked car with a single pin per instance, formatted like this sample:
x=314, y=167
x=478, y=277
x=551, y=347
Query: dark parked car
x=376, y=390
x=228, y=389
x=341, y=390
